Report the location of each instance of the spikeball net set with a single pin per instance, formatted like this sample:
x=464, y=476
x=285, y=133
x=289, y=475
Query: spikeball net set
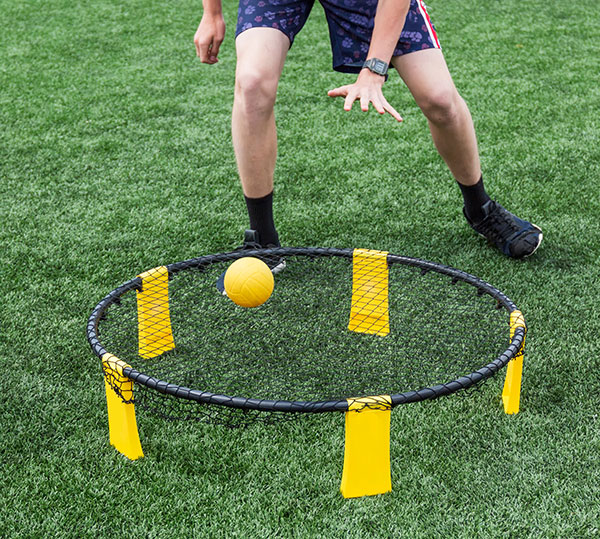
x=344, y=330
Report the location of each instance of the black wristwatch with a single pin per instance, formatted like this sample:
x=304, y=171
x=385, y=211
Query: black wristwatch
x=376, y=66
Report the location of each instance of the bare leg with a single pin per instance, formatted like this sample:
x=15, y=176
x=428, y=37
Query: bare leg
x=427, y=77
x=261, y=53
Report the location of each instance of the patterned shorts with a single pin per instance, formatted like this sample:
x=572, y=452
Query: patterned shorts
x=350, y=26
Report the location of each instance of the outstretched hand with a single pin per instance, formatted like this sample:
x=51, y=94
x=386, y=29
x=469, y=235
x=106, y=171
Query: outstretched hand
x=367, y=89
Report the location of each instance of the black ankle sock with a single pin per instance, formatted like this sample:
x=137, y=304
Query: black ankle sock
x=260, y=211
x=475, y=197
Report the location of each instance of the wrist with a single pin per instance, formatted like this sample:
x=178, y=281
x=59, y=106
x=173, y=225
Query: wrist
x=210, y=14
x=367, y=75
x=375, y=65
x=212, y=9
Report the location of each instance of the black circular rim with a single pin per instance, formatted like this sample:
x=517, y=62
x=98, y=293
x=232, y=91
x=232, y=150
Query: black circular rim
x=206, y=397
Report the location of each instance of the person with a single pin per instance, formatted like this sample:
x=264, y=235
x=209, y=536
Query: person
x=366, y=37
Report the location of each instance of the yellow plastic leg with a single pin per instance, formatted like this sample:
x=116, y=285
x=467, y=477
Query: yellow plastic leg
x=122, y=425
x=370, y=305
x=154, y=320
x=367, y=448
x=511, y=394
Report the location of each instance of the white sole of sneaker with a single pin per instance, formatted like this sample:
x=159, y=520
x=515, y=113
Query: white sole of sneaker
x=536, y=247
x=279, y=267
x=538, y=243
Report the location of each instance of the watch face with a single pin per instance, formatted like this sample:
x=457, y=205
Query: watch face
x=376, y=66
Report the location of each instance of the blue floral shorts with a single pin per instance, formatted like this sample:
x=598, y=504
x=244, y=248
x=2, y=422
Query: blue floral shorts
x=350, y=26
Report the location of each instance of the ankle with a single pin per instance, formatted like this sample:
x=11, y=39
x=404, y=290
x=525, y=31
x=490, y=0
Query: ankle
x=260, y=213
x=475, y=197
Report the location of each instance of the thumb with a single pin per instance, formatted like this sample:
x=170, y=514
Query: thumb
x=342, y=91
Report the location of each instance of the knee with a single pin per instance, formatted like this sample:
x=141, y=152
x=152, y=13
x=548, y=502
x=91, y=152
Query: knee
x=442, y=106
x=255, y=91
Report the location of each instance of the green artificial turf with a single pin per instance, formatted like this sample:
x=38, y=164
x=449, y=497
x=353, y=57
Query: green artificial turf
x=116, y=156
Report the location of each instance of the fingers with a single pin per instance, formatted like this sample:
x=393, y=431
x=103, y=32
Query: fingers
x=342, y=91
x=352, y=93
x=214, y=50
x=378, y=105
x=208, y=39
x=207, y=51
x=197, y=45
x=391, y=110
x=203, y=47
x=365, y=99
x=351, y=97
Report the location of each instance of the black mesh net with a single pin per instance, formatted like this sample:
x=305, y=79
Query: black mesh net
x=297, y=345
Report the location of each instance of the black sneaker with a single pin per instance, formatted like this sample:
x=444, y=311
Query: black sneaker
x=513, y=236
x=252, y=242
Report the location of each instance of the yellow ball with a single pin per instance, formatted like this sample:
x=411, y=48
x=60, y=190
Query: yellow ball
x=249, y=282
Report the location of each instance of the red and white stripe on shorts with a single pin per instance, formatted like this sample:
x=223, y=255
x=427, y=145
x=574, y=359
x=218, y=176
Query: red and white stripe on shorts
x=430, y=29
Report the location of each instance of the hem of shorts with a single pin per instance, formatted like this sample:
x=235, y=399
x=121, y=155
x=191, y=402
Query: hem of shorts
x=352, y=68
x=348, y=68
x=237, y=33
x=356, y=67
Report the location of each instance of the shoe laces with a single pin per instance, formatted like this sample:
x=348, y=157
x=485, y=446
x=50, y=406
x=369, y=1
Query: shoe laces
x=499, y=225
